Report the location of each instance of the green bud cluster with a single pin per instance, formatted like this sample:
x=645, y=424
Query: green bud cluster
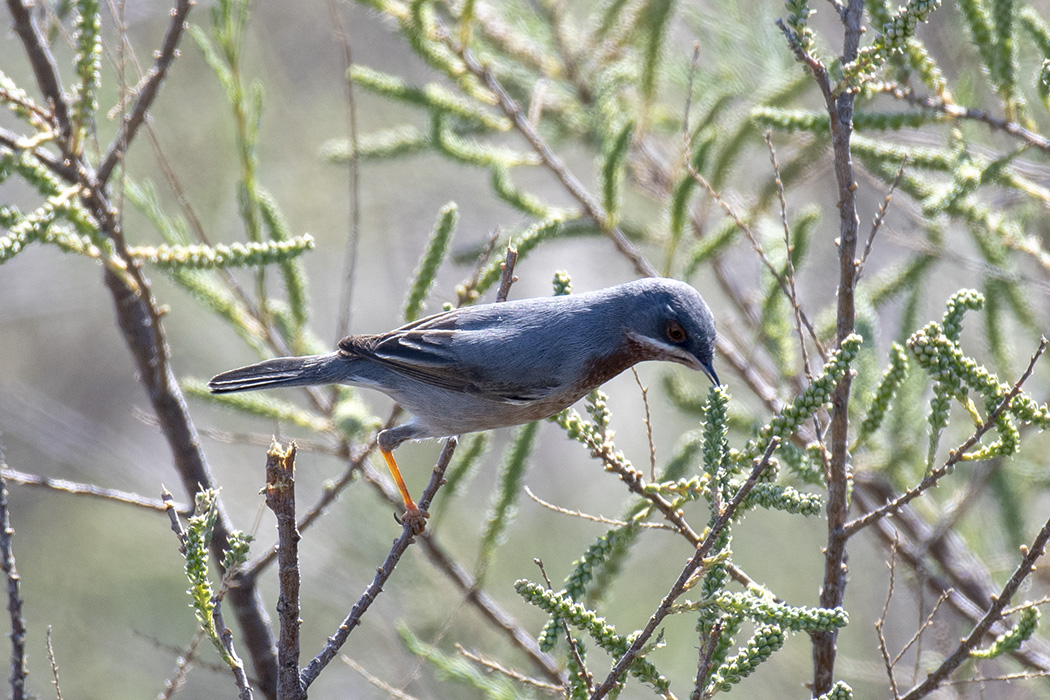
x=198, y=537
x=431, y=260
x=767, y=640
x=583, y=573
x=811, y=400
x=962, y=301
x=88, y=25
x=761, y=608
x=894, y=38
x=220, y=255
x=785, y=498
x=716, y=431
x=840, y=691
x=1011, y=640
x=936, y=349
x=886, y=392
x=799, y=13
x=601, y=631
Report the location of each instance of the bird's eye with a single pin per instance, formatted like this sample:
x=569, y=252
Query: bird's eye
x=675, y=332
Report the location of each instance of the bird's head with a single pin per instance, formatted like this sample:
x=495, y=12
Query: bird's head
x=670, y=321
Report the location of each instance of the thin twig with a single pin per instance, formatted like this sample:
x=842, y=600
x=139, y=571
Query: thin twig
x=309, y=674
x=880, y=216
x=53, y=661
x=757, y=247
x=148, y=92
x=550, y=159
x=353, y=235
x=81, y=489
x=916, y=638
x=596, y=518
x=182, y=667
x=883, y=649
x=240, y=676
x=958, y=112
x=507, y=277
x=648, y=424
x=376, y=680
x=994, y=614
x=679, y=587
x=509, y=672
x=792, y=292
x=703, y=666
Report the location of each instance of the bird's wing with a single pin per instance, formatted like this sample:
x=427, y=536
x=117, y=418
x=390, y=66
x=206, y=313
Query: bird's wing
x=425, y=351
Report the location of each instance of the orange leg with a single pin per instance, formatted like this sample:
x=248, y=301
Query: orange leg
x=410, y=505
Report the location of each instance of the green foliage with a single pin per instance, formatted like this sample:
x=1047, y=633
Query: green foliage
x=491, y=685
x=195, y=548
x=599, y=629
x=1010, y=641
x=432, y=258
x=88, y=38
x=504, y=508
x=201, y=257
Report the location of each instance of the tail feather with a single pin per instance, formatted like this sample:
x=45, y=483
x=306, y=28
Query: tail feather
x=281, y=371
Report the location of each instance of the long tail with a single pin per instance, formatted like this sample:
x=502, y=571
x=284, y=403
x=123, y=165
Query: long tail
x=283, y=371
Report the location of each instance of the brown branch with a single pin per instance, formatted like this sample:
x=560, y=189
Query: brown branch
x=309, y=674
x=44, y=68
x=550, y=159
x=840, y=112
x=14, y=599
x=680, y=586
x=80, y=489
x=148, y=92
x=237, y=666
x=994, y=614
x=280, y=498
x=958, y=112
x=961, y=579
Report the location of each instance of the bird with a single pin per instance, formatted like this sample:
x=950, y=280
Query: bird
x=489, y=366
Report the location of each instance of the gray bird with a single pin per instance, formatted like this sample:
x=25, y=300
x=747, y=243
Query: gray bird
x=496, y=365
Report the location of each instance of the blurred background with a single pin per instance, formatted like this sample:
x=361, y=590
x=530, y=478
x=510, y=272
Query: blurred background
x=107, y=579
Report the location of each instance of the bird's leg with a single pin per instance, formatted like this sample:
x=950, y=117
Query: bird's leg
x=413, y=515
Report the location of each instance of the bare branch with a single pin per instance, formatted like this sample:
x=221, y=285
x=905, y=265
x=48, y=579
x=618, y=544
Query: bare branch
x=44, y=68
x=994, y=614
x=309, y=674
x=80, y=489
x=19, y=671
x=147, y=92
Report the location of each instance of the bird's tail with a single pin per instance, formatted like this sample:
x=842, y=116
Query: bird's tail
x=282, y=371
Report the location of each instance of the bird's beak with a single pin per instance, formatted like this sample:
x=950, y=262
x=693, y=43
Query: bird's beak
x=709, y=370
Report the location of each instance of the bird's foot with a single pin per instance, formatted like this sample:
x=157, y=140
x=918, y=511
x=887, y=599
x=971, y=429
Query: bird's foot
x=415, y=518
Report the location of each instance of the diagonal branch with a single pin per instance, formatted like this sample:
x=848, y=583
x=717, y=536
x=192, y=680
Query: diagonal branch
x=148, y=92
x=44, y=69
x=994, y=614
x=309, y=674
x=694, y=565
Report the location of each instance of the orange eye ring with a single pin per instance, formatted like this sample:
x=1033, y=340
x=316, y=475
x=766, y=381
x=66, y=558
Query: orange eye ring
x=675, y=332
